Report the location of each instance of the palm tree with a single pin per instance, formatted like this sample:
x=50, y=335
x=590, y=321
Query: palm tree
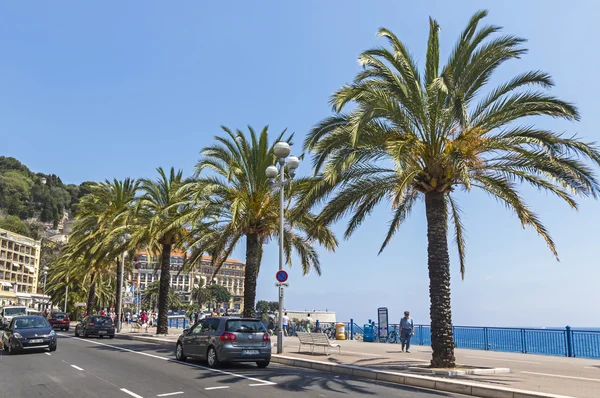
x=105, y=211
x=235, y=201
x=156, y=225
x=409, y=136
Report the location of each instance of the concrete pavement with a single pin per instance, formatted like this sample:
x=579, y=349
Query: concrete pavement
x=121, y=368
x=573, y=377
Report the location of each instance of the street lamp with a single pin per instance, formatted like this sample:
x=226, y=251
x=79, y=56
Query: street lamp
x=282, y=151
x=66, y=293
x=45, y=275
x=122, y=240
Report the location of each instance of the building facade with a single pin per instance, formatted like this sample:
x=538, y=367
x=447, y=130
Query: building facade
x=19, y=269
x=146, y=270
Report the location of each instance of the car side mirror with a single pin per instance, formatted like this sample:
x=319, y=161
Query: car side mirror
x=186, y=331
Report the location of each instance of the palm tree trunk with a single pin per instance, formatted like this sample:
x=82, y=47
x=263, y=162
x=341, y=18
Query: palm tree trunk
x=163, y=293
x=442, y=338
x=91, y=294
x=118, y=298
x=251, y=274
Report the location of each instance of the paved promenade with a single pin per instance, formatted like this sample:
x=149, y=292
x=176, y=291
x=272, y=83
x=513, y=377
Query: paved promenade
x=572, y=377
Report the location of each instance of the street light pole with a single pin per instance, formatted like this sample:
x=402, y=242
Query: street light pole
x=45, y=301
x=282, y=151
x=66, y=293
x=123, y=239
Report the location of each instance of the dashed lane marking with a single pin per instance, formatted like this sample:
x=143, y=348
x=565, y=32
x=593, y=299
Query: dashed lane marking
x=76, y=367
x=126, y=391
x=170, y=393
x=262, y=382
x=47, y=353
x=216, y=388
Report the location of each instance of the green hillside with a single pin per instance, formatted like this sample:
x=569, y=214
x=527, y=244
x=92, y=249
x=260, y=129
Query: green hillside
x=25, y=195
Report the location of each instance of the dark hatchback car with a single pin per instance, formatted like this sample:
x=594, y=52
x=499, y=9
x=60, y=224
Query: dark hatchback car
x=95, y=325
x=226, y=339
x=28, y=332
x=60, y=320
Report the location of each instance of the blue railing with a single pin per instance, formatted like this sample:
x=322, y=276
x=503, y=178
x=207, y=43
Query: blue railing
x=178, y=322
x=563, y=342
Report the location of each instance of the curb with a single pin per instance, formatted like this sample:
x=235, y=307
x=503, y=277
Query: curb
x=433, y=383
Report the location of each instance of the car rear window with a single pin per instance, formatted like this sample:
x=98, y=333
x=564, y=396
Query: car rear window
x=101, y=320
x=245, y=326
x=59, y=317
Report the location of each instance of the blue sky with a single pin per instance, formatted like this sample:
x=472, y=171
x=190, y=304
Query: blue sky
x=114, y=89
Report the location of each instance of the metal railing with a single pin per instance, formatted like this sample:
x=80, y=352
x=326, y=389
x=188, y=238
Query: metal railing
x=566, y=342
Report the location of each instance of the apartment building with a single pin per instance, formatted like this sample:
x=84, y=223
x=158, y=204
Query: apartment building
x=146, y=270
x=19, y=268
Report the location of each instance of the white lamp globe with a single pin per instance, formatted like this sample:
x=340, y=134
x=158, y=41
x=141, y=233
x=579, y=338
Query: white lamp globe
x=271, y=172
x=281, y=149
x=292, y=163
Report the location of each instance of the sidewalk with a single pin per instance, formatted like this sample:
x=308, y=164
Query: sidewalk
x=571, y=377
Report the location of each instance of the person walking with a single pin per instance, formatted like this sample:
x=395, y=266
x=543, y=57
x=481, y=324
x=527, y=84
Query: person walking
x=285, y=321
x=196, y=316
x=407, y=330
x=309, y=323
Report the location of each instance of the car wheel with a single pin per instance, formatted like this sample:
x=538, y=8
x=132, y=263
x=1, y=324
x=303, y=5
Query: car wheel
x=112, y=336
x=212, y=358
x=67, y=329
x=52, y=349
x=179, y=355
x=76, y=332
x=11, y=350
x=262, y=364
x=86, y=334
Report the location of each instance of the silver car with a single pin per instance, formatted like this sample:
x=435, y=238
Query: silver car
x=226, y=339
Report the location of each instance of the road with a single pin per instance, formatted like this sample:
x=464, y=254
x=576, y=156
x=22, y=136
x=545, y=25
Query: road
x=120, y=368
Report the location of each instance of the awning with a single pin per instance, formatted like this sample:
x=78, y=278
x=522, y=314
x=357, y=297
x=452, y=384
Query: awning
x=6, y=284
x=16, y=265
x=30, y=268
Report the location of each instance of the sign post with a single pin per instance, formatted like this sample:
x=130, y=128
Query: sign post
x=382, y=317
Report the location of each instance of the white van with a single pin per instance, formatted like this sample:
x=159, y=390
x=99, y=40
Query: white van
x=7, y=313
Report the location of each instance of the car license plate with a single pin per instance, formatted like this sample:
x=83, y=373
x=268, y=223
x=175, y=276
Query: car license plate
x=102, y=332
x=250, y=352
x=34, y=341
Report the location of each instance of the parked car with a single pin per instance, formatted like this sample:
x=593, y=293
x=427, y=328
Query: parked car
x=7, y=313
x=28, y=332
x=95, y=325
x=226, y=339
x=60, y=320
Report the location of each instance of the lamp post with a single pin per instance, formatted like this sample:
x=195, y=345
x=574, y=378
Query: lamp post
x=66, y=293
x=45, y=275
x=282, y=151
x=122, y=240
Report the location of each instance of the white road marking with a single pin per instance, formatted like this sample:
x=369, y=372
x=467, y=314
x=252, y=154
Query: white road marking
x=126, y=391
x=561, y=376
x=505, y=360
x=47, y=353
x=174, y=393
x=216, y=388
x=265, y=382
x=76, y=367
x=260, y=384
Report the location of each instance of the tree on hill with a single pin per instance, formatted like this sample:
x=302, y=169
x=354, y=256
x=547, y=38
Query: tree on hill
x=16, y=225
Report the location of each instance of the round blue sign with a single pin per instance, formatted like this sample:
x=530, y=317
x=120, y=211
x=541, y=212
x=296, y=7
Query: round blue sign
x=281, y=276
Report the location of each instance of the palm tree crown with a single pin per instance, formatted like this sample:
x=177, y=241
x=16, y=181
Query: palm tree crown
x=236, y=201
x=410, y=136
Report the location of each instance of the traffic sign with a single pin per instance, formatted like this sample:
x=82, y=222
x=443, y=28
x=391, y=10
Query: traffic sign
x=281, y=276
x=282, y=284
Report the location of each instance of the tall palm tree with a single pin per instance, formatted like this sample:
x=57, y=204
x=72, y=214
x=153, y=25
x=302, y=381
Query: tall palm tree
x=408, y=137
x=235, y=201
x=104, y=212
x=156, y=225
x=152, y=293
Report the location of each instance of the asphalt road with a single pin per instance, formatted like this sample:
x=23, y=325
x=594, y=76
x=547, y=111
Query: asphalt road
x=118, y=368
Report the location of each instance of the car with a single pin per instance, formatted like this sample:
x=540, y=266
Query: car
x=95, y=325
x=60, y=320
x=7, y=313
x=220, y=340
x=28, y=332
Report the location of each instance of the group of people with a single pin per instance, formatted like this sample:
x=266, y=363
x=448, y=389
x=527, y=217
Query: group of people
x=197, y=315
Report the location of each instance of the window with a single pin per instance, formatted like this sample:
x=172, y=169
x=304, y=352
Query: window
x=245, y=326
x=210, y=325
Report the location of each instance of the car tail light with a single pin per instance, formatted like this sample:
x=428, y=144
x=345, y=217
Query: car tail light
x=91, y=324
x=67, y=320
x=227, y=337
x=266, y=337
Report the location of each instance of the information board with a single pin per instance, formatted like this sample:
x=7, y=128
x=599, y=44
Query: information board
x=382, y=317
